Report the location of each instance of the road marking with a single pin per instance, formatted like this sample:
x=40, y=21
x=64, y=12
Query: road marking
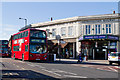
x=10, y=73
x=15, y=74
x=41, y=67
x=75, y=76
x=60, y=71
x=103, y=69
x=4, y=74
x=51, y=72
x=17, y=66
x=113, y=69
x=34, y=65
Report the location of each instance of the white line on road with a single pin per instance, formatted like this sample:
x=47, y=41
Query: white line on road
x=10, y=73
x=103, y=69
x=60, y=71
x=17, y=66
x=75, y=76
x=51, y=72
x=113, y=69
x=36, y=65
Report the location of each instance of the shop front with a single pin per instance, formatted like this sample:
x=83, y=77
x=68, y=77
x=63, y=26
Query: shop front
x=98, y=46
x=67, y=48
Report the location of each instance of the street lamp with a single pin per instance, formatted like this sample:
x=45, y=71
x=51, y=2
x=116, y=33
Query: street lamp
x=25, y=21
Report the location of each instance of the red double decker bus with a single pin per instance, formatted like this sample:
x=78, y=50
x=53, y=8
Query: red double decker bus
x=4, y=49
x=30, y=44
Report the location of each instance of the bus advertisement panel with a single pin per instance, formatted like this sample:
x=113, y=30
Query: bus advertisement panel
x=4, y=49
x=30, y=44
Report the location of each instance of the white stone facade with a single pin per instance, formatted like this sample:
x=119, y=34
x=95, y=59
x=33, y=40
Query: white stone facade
x=75, y=27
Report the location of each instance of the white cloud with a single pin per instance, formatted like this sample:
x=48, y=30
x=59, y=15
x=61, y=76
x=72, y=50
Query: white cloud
x=7, y=31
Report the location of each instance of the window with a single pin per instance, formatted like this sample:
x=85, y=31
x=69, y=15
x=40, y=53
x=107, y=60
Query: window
x=63, y=31
x=16, y=48
x=37, y=34
x=70, y=30
x=108, y=28
x=4, y=42
x=88, y=29
x=96, y=29
x=53, y=32
x=26, y=33
x=38, y=49
x=20, y=35
x=99, y=29
x=26, y=48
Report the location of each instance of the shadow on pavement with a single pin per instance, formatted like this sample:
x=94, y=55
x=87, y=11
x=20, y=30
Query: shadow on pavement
x=72, y=62
x=24, y=75
x=31, y=75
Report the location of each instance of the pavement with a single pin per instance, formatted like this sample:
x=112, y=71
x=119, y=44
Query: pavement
x=88, y=61
x=96, y=64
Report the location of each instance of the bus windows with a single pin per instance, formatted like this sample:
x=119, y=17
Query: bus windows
x=16, y=48
x=39, y=34
x=20, y=35
x=40, y=49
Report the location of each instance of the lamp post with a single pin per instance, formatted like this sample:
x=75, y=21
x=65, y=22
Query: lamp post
x=58, y=37
x=25, y=21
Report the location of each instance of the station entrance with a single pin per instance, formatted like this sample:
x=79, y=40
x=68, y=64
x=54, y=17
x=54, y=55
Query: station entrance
x=98, y=47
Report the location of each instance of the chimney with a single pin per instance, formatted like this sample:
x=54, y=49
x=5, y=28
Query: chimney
x=113, y=12
x=51, y=18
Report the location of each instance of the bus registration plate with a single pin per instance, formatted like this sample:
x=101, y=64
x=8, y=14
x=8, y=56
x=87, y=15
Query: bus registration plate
x=37, y=59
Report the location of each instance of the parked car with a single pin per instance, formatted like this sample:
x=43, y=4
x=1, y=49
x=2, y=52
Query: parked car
x=114, y=57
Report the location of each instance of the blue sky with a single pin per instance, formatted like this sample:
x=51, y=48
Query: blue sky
x=37, y=12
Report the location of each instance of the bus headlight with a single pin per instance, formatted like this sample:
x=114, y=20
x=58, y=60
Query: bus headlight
x=44, y=56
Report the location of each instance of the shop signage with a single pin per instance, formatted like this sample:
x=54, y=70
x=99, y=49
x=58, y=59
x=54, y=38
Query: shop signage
x=113, y=37
x=110, y=37
x=95, y=37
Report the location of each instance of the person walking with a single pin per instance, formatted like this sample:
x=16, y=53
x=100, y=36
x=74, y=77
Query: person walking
x=80, y=57
x=67, y=54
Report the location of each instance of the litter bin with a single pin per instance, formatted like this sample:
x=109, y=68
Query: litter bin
x=51, y=57
x=85, y=58
x=54, y=57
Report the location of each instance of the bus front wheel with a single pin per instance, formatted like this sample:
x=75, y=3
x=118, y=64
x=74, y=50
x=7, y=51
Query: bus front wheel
x=110, y=62
x=14, y=56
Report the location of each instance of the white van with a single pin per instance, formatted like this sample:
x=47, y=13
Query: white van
x=114, y=57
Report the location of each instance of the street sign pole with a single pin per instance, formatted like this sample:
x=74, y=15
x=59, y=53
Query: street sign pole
x=59, y=48
x=58, y=39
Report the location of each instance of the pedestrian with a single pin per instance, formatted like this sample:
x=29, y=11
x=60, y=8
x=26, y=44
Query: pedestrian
x=67, y=54
x=80, y=57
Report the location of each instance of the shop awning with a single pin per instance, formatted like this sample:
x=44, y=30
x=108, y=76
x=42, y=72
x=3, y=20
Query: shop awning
x=63, y=45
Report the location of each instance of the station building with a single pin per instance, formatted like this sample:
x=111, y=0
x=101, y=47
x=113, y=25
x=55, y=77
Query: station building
x=95, y=36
